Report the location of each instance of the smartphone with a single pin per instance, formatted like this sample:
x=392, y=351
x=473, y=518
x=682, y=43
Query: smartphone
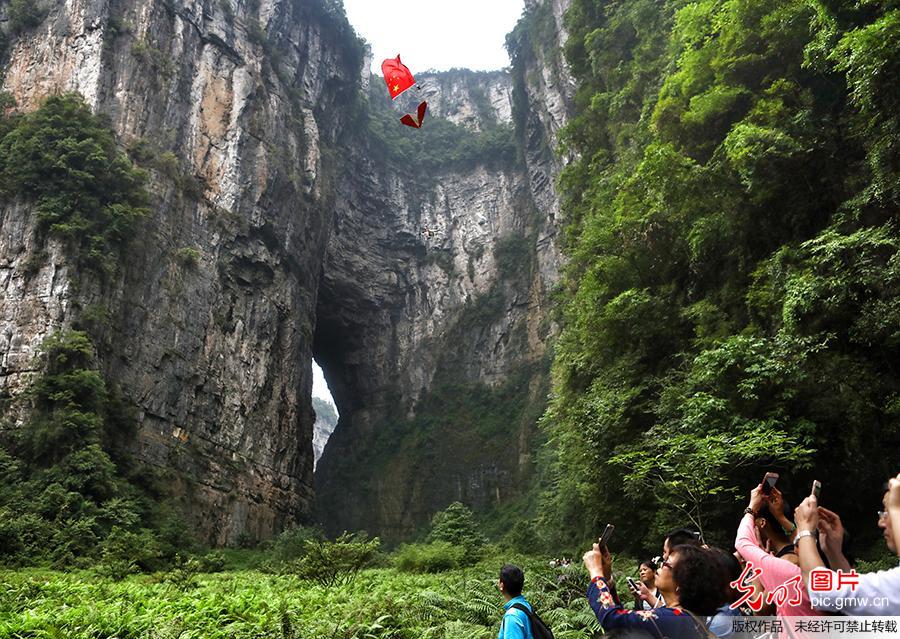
x=607, y=533
x=816, y=489
x=633, y=585
x=769, y=482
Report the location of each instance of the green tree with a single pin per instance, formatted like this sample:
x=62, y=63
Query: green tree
x=730, y=299
x=86, y=191
x=338, y=562
x=64, y=491
x=456, y=525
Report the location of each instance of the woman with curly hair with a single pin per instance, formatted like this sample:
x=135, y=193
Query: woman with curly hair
x=691, y=581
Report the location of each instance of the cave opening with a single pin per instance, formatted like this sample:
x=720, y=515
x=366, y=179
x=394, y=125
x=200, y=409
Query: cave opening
x=327, y=414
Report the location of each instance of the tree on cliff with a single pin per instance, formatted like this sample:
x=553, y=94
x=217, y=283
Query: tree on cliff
x=734, y=267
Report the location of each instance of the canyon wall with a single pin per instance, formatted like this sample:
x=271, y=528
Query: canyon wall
x=282, y=227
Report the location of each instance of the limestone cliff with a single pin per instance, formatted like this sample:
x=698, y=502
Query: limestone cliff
x=326, y=421
x=265, y=162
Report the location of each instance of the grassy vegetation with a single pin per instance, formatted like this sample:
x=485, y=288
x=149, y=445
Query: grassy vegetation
x=383, y=602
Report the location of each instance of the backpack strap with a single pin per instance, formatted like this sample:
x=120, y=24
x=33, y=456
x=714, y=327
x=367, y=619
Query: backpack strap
x=523, y=608
x=538, y=628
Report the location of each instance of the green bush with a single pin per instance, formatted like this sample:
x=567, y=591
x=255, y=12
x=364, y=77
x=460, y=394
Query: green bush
x=213, y=562
x=338, y=562
x=184, y=573
x=86, y=191
x=437, y=556
x=292, y=543
x=188, y=256
x=124, y=552
x=456, y=525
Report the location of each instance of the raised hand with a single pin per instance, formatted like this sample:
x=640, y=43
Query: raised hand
x=776, y=503
x=594, y=562
x=757, y=498
x=893, y=500
x=807, y=514
x=831, y=532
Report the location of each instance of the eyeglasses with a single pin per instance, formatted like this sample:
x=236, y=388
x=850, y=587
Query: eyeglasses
x=882, y=515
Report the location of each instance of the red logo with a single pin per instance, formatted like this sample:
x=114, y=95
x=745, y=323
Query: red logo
x=824, y=580
x=789, y=593
x=821, y=580
x=749, y=595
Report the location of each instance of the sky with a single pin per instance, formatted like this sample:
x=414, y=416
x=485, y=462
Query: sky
x=320, y=388
x=436, y=34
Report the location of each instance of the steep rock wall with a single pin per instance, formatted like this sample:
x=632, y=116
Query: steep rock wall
x=310, y=240
x=463, y=318
x=215, y=354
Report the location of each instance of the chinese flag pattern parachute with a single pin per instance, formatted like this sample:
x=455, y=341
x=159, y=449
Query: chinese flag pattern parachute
x=397, y=76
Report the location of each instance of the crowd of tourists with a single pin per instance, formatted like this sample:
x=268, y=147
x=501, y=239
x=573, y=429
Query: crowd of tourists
x=785, y=564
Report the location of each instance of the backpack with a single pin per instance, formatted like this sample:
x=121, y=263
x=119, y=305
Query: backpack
x=538, y=628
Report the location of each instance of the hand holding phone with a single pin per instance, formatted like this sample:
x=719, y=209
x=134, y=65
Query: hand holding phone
x=632, y=584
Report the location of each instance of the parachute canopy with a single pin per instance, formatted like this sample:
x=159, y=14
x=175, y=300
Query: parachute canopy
x=397, y=76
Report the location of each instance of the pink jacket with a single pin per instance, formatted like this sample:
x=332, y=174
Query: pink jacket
x=775, y=571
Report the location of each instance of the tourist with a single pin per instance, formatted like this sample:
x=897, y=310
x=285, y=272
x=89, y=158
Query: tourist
x=877, y=593
x=690, y=580
x=515, y=623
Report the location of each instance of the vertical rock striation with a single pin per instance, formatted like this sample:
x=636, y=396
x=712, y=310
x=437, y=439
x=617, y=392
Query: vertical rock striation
x=303, y=238
x=214, y=353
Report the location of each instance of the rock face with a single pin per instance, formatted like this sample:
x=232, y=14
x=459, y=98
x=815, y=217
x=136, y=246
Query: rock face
x=310, y=242
x=326, y=421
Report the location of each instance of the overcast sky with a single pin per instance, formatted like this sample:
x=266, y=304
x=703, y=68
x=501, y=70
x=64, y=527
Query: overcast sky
x=320, y=388
x=436, y=34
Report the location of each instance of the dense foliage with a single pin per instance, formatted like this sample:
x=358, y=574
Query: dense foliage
x=67, y=495
x=439, y=143
x=338, y=562
x=455, y=540
x=382, y=603
x=456, y=525
x=731, y=304
x=65, y=159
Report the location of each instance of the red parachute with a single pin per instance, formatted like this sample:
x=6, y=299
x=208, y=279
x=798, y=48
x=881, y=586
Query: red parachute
x=408, y=120
x=398, y=79
x=397, y=76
